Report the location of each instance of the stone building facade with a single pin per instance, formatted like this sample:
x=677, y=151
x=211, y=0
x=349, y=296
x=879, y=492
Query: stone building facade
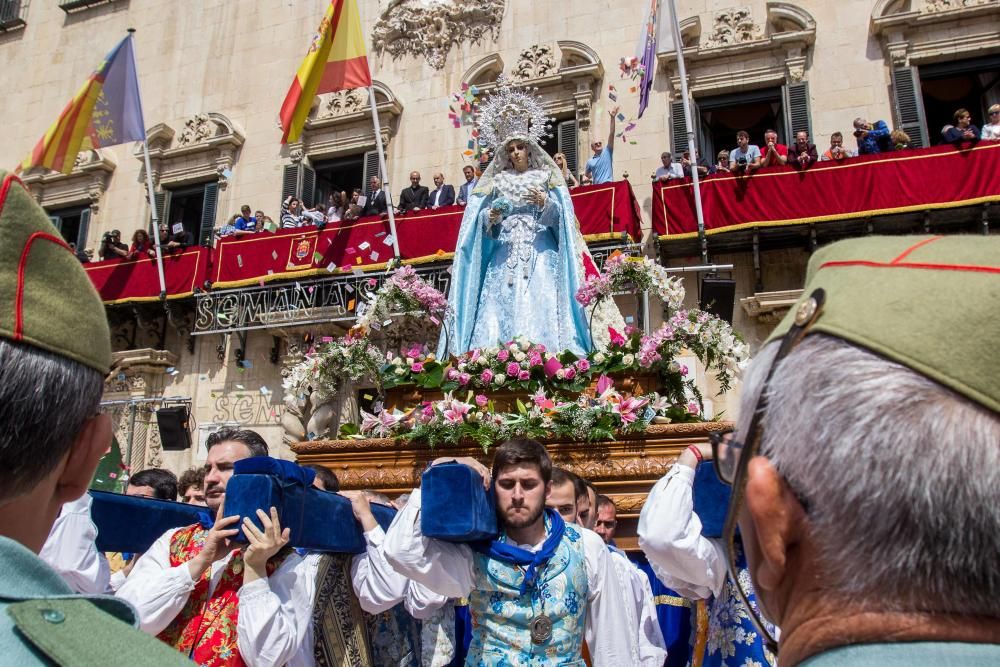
x=213, y=75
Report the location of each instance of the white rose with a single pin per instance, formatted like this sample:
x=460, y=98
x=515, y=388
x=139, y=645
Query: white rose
x=561, y=374
x=628, y=359
x=400, y=371
x=519, y=356
x=499, y=378
x=409, y=361
x=599, y=358
x=397, y=362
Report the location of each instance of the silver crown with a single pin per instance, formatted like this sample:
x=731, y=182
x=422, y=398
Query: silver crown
x=510, y=112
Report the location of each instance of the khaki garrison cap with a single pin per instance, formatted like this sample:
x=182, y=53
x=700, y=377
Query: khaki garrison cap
x=931, y=303
x=46, y=298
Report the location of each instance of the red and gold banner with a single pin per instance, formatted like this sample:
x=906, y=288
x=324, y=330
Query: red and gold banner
x=914, y=180
x=121, y=280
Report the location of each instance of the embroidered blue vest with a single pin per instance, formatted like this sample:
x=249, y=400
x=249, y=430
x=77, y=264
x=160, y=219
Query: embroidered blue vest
x=501, y=616
x=733, y=640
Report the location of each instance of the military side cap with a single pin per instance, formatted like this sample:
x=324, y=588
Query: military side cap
x=46, y=298
x=931, y=303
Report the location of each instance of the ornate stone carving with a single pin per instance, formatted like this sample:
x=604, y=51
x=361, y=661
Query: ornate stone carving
x=934, y=6
x=733, y=26
x=535, y=62
x=343, y=102
x=430, y=28
x=198, y=128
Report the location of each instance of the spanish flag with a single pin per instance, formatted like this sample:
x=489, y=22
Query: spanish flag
x=337, y=60
x=104, y=112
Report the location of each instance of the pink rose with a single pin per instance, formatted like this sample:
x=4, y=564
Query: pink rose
x=693, y=408
x=464, y=378
x=524, y=375
x=503, y=355
x=583, y=365
x=486, y=376
x=428, y=410
x=616, y=338
x=684, y=372
x=535, y=359
x=481, y=400
x=540, y=347
x=452, y=374
x=417, y=367
x=513, y=369
x=569, y=373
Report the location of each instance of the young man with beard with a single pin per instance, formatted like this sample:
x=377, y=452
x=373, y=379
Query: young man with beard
x=537, y=590
x=218, y=603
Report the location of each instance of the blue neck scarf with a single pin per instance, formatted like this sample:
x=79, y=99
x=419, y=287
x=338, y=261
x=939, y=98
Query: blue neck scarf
x=513, y=555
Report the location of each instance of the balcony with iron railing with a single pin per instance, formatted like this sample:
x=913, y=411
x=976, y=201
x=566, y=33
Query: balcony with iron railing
x=12, y=13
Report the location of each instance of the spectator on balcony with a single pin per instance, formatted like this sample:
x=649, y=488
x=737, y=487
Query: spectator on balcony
x=722, y=162
x=335, y=206
x=991, y=130
x=837, y=151
x=803, y=152
x=354, y=210
x=245, y=222
x=179, y=240
x=264, y=222
x=745, y=157
x=704, y=168
x=963, y=131
x=668, y=169
x=291, y=213
x=112, y=246
x=872, y=138
x=140, y=245
x=413, y=198
x=376, y=203
x=773, y=153
x=900, y=140
x=600, y=168
x=470, y=184
x=567, y=175
x=443, y=195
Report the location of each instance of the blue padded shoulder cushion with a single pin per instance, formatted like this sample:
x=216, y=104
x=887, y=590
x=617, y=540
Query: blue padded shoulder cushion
x=132, y=524
x=454, y=505
x=318, y=520
x=711, y=499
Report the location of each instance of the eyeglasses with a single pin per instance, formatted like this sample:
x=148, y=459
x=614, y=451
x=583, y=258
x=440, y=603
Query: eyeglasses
x=732, y=452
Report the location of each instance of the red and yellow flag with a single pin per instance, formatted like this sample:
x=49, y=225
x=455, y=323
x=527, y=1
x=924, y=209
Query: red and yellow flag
x=337, y=60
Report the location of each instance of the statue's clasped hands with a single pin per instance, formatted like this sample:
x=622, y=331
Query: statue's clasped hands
x=537, y=197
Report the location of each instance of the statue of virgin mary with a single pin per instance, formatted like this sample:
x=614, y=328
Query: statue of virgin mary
x=519, y=259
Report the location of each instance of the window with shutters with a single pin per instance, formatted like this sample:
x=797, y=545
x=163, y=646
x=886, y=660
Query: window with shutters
x=568, y=143
x=194, y=207
x=341, y=174
x=718, y=118
x=797, y=117
x=943, y=88
x=909, y=108
x=73, y=224
x=12, y=14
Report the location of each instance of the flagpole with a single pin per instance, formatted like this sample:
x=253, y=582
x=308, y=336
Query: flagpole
x=385, y=173
x=692, y=150
x=149, y=188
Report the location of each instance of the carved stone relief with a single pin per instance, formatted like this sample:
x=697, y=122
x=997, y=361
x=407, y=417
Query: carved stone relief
x=198, y=128
x=430, y=28
x=934, y=6
x=535, y=62
x=733, y=26
x=342, y=103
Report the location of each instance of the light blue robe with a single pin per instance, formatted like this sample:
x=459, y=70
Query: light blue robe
x=519, y=276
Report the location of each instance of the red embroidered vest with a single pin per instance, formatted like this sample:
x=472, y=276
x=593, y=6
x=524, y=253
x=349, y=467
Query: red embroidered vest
x=205, y=629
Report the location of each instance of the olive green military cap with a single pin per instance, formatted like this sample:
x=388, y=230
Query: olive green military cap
x=931, y=303
x=46, y=298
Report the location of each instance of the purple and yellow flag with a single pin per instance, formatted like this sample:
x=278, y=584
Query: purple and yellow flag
x=104, y=112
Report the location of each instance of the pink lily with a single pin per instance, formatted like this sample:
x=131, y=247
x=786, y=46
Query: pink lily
x=628, y=408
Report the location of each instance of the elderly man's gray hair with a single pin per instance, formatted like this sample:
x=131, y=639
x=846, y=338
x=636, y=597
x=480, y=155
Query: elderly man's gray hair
x=901, y=475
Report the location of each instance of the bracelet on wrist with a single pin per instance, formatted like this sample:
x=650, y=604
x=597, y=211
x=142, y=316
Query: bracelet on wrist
x=697, y=453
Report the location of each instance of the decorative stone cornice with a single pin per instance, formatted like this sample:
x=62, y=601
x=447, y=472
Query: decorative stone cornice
x=925, y=31
x=341, y=123
x=431, y=28
x=133, y=371
x=205, y=149
x=86, y=184
x=740, y=53
x=770, y=307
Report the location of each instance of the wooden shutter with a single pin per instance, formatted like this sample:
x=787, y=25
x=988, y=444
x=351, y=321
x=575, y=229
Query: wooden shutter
x=289, y=183
x=909, y=105
x=161, y=202
x=796, y=101
x=81, y=235
x=678, y=128
x=371, y=168
x=56, y=222
x=209, y=204
x=308, y=193
x=567, y=140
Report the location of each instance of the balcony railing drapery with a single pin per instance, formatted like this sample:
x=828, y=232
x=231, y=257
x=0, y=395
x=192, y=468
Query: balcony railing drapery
x=604, y=211
x=913, y=180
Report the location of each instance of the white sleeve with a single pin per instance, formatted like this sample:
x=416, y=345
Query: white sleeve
x=377, y=585
x=670, y=536
x=652, y=646
x=157, y=590
x=610, y=637
x=275, y=618
x=421, y=602
x=443, y=567
x=71, y=549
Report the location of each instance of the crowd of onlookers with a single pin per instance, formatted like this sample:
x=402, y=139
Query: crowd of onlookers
x=871, y=139
x=341, y=206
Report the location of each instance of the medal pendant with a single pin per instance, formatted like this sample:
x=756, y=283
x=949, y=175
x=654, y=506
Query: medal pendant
x=541, y=629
